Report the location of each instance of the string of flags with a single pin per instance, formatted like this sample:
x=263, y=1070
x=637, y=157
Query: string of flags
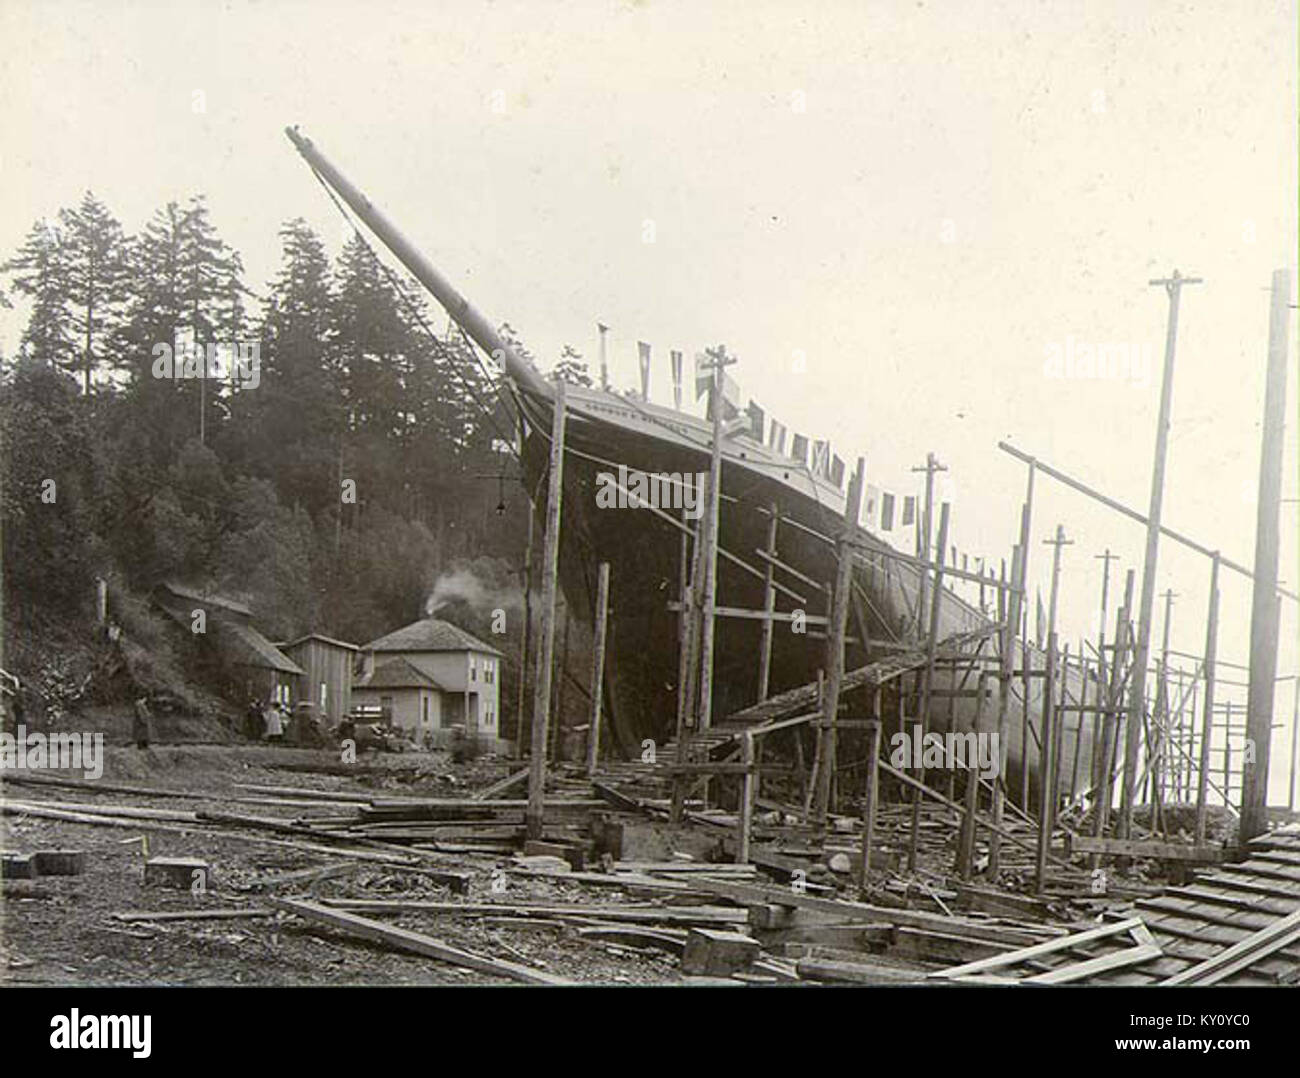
x=883, y=511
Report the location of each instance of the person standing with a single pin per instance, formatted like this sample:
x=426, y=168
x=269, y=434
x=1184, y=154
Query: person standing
x=274, y=724
x=140, y=723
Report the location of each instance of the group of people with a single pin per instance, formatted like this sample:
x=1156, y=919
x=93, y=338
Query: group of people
x=269, y=721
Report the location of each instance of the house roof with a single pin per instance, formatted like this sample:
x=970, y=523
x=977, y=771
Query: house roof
x=318, y=636
x=244, y=645
x=430, y=634
x=207, y=598
x=399, y=673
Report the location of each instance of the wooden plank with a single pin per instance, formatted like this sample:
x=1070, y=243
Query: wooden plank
x=1011, y=958
x=1158, y=851
x=501, y=786
x=134, y=917
x=751, y=895
x=824, y=969
x=639, y=914
x=1129, y=956
x=416, y=942
x=1245, y=953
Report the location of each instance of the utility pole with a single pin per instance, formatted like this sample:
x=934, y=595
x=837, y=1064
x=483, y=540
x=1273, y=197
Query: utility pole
x=931, y=466
x=1173, y=286
x=1264, y=612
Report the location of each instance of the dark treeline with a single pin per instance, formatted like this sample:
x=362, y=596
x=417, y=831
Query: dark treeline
x=328, y=492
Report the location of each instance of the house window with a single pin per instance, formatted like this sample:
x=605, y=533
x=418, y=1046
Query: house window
x=473, y=672
x=324, y=695
x=426, y=711
x=489, y=671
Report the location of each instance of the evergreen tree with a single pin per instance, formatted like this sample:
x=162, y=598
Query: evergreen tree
x=97, y=279
x=39, y=271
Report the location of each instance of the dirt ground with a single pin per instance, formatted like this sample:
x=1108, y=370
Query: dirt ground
x=61, y=930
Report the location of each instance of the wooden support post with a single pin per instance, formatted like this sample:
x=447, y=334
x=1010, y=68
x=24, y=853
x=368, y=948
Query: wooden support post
x=966, y=842
x=546, y=648
x=927, y=676
x=931, y=466
x=688, y=667
x=835, y=642
x=1162, y=721
x=1113, y=717
x=1137, y=691
x=1048, y=758
x=1295, y=744
x=1227, y=754
x=746, y=795
x=1004, y=702
x=769, y=606
x=1264, y=610
x=598, y=668
x=1047, y=768
x=872, y=799
x=557, y=742
x=524, y=647
x=718, y=360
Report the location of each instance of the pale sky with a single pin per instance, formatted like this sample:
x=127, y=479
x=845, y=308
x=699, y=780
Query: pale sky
x=924, y=199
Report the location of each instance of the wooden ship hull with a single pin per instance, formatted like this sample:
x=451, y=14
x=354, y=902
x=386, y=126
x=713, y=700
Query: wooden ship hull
x=648, y=566
x=648, y=560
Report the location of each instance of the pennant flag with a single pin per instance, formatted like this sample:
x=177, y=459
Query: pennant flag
x=909, y=509
x=676, y=358
x=886, y=512
x=872, y=501
x=756, y=420
x=777, y=440
x=703, y=377
x=837, y=472
x=799, y=449
x=821, y=456
x=643, y=350
x=730, y=388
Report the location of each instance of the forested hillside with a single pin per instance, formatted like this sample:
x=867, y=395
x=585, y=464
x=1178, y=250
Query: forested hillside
x=329, y=489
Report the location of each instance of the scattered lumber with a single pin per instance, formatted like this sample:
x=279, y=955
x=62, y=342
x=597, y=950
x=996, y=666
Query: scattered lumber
x=498, y=788
x=136, y=916
x=305, y=875
x=669, y=939
x=1157, y=851
x=686, y=915
x=713, y=952
x=825, y=969
x=179, y=872
x=415, y=942
x=993, y=933
x=59, y=862
x=1254, y=948
x=1144, y=950
x=121, y=812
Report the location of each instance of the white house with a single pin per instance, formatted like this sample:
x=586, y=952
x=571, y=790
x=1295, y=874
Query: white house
x=433, y=675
